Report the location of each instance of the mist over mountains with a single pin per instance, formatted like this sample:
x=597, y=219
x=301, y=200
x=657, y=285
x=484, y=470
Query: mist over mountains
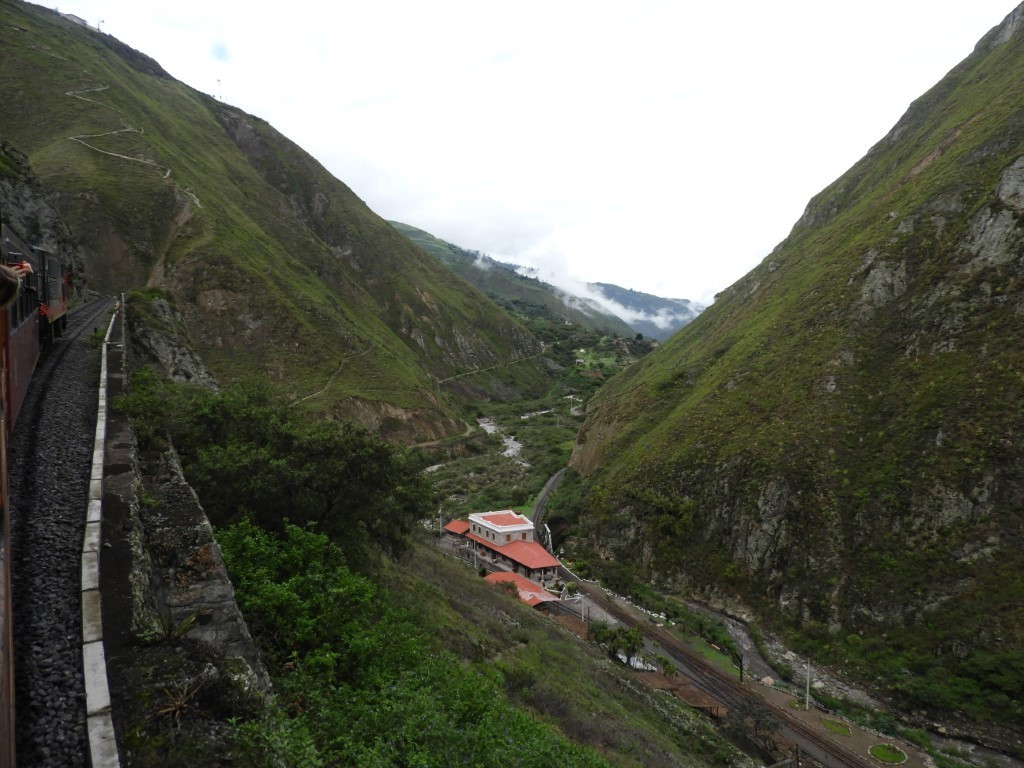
x=602, y=306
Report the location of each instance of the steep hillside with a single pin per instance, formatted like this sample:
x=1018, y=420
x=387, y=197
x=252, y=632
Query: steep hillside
x=277, y=268
x=521, y=295
x=838, y=439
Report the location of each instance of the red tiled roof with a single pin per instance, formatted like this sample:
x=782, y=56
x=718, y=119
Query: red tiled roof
x=529, y=592
x=458, y=527
x=528, y=553
x=506, y=517
x=483, y=541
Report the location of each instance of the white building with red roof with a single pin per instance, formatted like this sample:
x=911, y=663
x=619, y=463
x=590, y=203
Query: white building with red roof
x=505, y=539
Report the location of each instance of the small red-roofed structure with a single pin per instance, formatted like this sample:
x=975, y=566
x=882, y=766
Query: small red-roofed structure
x=457, y=527
x=530, y=592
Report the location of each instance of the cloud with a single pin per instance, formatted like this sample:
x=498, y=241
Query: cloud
x=661, y=146
x=581, y=295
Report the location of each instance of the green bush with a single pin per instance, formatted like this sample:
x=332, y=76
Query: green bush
x=359, y=681
x=249, y=455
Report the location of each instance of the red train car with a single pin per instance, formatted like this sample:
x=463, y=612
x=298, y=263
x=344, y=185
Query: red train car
x=6, y=629
x=36, y=319
x=54, y=298
x=24, y=337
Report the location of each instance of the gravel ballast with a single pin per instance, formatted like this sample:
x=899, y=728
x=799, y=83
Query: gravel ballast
x=50, y=456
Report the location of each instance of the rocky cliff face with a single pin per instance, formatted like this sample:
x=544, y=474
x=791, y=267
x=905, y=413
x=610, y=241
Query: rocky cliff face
x=159, y=339
x=837, y=439
x=33, y=213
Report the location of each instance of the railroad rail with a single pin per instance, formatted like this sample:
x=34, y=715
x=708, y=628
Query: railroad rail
x=731, y=694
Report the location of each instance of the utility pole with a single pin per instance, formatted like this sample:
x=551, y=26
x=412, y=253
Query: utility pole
x=807, y=694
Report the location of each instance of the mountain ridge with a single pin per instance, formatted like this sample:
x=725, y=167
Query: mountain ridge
x=276, y=267
x=835, y=441
x=599, y=306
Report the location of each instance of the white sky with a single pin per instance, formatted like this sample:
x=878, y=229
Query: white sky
x=663, y=146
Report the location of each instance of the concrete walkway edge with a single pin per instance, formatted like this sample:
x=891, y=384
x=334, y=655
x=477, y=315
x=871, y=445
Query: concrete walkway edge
x=102, y=741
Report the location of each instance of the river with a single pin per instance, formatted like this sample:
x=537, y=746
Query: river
x=512, y=446
x=756, y=666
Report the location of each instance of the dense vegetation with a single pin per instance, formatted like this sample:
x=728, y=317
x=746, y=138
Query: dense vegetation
x=359, y=681
x=251, y=456
x=377, y=662
x=836, y=441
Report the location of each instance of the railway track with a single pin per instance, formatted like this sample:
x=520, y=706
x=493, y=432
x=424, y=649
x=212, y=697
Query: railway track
x=50, y=455
x=729, y=693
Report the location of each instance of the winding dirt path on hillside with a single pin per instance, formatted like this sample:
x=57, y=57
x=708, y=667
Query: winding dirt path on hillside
x=127, y=129
x=156, y=275
x=80, y=138
x=492, y=368
x=333, y=376
x=431, y=443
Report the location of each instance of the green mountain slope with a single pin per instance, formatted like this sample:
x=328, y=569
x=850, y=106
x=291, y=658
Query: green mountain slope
x=520, y=295
x=837, y=440
x=275, y=265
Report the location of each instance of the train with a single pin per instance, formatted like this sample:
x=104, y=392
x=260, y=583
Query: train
x=31, y=324
x=36, y=319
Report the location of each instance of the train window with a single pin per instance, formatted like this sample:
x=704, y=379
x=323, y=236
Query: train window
x=26, y=306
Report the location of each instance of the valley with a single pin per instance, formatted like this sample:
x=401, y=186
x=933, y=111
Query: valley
x=823, y=470
x=776, y=672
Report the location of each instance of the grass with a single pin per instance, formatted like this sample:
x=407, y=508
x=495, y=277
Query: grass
x=835, y=726
x=888, y=753
x=558, y=678
x=715, y=656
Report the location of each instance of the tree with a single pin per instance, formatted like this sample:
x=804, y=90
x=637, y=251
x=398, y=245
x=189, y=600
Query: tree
x=629, y=640
x=753, y=721
x=668, y=669
x=248, y=454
